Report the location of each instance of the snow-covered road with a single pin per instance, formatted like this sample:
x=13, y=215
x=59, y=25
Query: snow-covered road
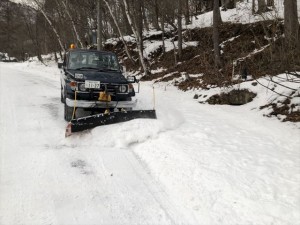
x=196, y=164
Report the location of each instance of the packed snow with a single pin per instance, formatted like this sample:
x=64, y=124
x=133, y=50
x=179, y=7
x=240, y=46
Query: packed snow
x=195, y=164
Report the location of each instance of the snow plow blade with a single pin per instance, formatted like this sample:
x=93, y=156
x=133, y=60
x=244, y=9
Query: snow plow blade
x=89, y=122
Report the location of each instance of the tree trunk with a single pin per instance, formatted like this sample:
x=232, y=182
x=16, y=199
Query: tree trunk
x=139, y=23
x=291, y=24
x=37, y=44
x=156, y=15
x=99, y=25
x=262, y=7
x=187, y=12
x=216, y=23
x=253, y=7
x=162, y=22
x=163, y=33
x=179, y=31
x=143, y=11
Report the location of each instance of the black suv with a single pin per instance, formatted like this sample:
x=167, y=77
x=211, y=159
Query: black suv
x=93, y=80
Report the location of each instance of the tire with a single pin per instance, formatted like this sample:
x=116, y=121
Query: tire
x=68, y=113
x=62, y=99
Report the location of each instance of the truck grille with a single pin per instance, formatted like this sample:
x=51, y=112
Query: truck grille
x=109, y=88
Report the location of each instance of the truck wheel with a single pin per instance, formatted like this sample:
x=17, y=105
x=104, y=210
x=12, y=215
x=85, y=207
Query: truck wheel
x=62, y=99
x=68, y=113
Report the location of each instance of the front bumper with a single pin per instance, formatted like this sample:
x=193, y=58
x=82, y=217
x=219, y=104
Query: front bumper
x=99, y=104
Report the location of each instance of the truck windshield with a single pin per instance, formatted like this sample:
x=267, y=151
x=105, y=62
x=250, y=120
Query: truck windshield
x=93, y=60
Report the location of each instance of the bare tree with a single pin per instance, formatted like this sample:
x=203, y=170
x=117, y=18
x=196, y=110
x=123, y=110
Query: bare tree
x=216, y=23
x=143, y=12
x=179, y=30
x=119, y=30
x=138, y=22
x=67, y=10
x=99, y=25
x=156, y=14
x=138, y=36
x=163, y=31
x=39, y=7
x=187, y=12
x=31, y=23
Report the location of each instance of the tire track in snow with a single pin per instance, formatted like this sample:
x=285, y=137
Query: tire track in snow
x=80, y=180
x=18, y=169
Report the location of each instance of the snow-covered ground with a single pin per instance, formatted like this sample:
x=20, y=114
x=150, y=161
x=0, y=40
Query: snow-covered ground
x=195, y=164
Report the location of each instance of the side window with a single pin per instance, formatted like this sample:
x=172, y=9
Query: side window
x=84, y=59
x=114, y=62
x=73, y=59
x=77, y=60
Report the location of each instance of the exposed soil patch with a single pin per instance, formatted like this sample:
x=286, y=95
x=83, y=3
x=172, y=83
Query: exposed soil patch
x=234, y=97
x=285, y=109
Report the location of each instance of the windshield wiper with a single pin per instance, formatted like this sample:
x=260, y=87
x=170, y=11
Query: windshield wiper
x=86, y=68
x=98, y=69
x=107, y=69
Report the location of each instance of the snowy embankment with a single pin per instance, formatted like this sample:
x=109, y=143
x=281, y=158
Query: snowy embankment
x=241, y=14
x=195, y=164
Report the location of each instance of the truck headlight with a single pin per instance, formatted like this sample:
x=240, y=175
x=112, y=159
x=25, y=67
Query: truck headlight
x=123, y=88
x=81, y=87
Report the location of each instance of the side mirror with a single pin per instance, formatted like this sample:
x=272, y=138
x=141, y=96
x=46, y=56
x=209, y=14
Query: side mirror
x=60, y=65
x=132, y=79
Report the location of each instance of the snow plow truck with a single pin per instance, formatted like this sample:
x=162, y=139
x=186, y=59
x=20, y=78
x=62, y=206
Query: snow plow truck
x=93, y=81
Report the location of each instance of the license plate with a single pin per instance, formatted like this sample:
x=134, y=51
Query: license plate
x=91, y=84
